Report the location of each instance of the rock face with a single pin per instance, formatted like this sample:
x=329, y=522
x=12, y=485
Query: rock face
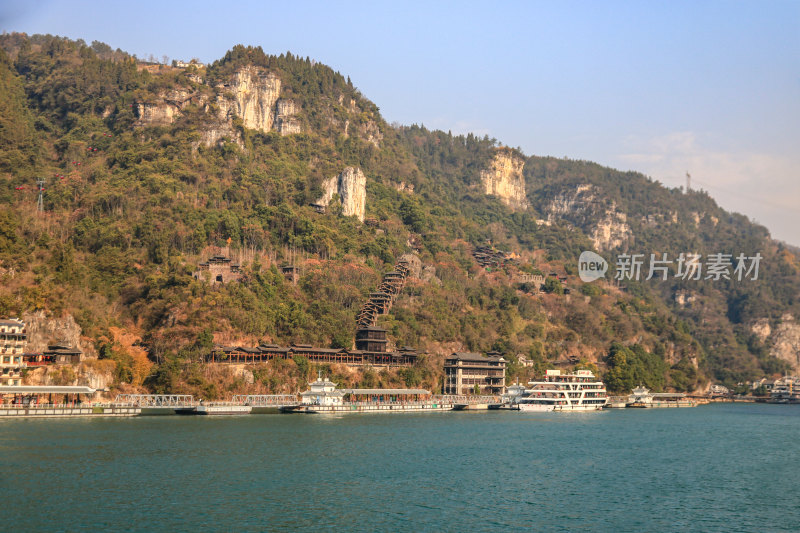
x=786, y=341
x=370, y=132
x=214, y=135
x=611, y=231
x=43, y=331
x=351, y=186
x=96, y=374
x=783, y=338
x=570, y=201
x=504, y=179
x=404, y=187
x=414, y=264
x=329, y=188
x=286, y=122
x=762, y=329
x=607, y=227
x=250, y=95
x=684, y=298
x=165, y=109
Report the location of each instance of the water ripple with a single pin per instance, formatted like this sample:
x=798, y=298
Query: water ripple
x=713, y=468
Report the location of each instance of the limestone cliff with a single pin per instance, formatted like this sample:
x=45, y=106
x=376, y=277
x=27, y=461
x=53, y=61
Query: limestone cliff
x=404, y=187
x=94, y=373
x=684, y=298
x=606, y=226
x=504, y=179
x=329, y=187
x=350, y=185
x=250, y=94
x=370, y=132
x=611, y=231
x=782, y=338
x=43, y=331
x=165, y=108
x=762, y=329
x=786, y=341
x=214, y=135
x=286, y=121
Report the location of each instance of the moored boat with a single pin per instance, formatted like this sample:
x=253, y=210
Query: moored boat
x=579, y=391
x=642, y=398
x=785, y=391
x=510, y=398
x=222, y=408
x=617, y=402
x=323, y=397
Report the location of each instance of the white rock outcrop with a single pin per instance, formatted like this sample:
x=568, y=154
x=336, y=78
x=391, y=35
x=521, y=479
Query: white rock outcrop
x=580, y=205
x=762, y=329
x=165, y=108
x=786, y=341
x=504, y=179
x=370, y=132
x=44, y=330
x=782, y=338
x=251, y=95
x=611, y=231
x=214, y=135
x=351, y=186
x=404, y=187
x=286, y=122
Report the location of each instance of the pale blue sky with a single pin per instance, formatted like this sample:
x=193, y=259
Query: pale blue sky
x=708, y=87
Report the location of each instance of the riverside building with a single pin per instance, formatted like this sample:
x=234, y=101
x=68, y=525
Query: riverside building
x=466, y=372
x=12, y=344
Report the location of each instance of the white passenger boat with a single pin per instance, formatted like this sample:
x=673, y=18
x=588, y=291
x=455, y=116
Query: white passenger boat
x=580, y=391
x=323, y=397
x=642, y=398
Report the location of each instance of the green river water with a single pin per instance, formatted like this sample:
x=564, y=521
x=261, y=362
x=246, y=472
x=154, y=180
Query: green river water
x=724, y=467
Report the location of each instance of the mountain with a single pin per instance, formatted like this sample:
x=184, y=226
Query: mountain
x=152, y=169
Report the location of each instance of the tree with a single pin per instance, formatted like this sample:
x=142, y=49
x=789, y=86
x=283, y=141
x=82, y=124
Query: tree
x=413, y=215
x=630, y=367
x=553, y=286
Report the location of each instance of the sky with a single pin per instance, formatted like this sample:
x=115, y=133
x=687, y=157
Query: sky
x=709, y=87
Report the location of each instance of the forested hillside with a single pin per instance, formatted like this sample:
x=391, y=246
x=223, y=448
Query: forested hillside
x=152, y=169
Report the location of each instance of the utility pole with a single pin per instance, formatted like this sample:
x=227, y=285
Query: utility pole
x=40, y=185
x=688, y=182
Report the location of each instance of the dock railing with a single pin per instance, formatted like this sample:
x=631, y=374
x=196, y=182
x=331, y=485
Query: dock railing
x=398, y=402
x=264, y=400
x=469, y=399
x=72, y=405
x=155, y=400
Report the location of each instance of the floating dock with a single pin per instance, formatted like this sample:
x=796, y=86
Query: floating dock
x=62, y=411
x=222, y=408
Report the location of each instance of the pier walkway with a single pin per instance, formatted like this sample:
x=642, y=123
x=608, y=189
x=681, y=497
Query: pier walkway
x=265, y=400
x=171, y=404
x=472, y=403
x=156, y=400
x=66, y=410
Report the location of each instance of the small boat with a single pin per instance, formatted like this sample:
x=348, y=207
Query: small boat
x=642, y=398
x=222, y=408
x=617, y=402
x=509, y=400
x=785, y=391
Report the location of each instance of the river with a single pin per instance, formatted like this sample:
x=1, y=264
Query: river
x=723, y=467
